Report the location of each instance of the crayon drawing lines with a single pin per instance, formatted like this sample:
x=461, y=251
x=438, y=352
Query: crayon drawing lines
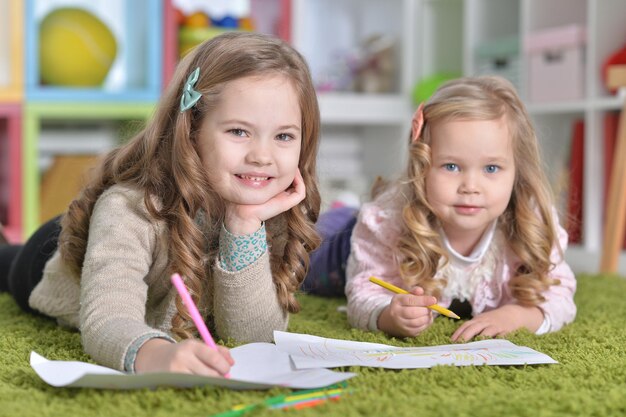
x=432, y=357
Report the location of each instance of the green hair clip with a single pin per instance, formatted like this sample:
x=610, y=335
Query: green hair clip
x=190, y=96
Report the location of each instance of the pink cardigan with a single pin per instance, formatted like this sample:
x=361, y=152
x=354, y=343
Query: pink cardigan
x=372, y=254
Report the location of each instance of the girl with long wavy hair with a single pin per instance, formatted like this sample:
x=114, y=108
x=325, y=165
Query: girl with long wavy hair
x=219, y=187
x=470, y=226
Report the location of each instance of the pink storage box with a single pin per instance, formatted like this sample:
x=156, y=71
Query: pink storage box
x=556, y=63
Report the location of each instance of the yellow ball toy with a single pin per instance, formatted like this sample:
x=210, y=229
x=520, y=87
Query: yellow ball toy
x=75, y=48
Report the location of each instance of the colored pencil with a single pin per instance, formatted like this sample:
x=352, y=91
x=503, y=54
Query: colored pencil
x=398, y=290
x=177, y=281
x=296, y=400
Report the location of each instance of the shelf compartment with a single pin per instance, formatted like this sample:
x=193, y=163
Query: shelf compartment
x=269, y=16
x=11, y=170
x=334, y=46
x=364, y=109
x=34, y=117
x=442, y=35
x=136, y=73
x=11, y=56
x=607, y=17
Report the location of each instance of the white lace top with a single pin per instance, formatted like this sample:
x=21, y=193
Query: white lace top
x=464, y=273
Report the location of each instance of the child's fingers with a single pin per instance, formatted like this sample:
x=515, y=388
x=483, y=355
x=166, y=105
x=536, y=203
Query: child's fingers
x=411, y=300
x=226, y=354
x=413, y=331
x=413, y=313
x=297, y=190
x=416, y=325
x=492, y=331
x=289, y=198
x=417, y=291
x=214, y=360
x=468, y=330
x=298, y=182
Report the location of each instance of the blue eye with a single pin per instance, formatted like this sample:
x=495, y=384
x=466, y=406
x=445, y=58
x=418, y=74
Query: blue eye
x=451, y=167
x=284, y=137
x=238, y=132
x=492, y=169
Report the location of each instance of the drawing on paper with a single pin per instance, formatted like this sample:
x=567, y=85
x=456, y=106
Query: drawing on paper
x=312, y=351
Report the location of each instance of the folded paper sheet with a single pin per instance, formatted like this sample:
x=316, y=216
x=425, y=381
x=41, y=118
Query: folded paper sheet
x=257, y=366
x=309, y=352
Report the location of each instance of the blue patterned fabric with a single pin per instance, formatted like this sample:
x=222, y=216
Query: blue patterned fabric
x=131, y=353
x=237, y=252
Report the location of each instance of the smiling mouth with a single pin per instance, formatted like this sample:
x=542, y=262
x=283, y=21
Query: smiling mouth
x=251, y=178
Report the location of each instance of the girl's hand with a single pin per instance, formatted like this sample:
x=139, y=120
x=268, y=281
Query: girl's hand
x=189, y=356
x=246, y=219
x=407, y=315
x=499, y=322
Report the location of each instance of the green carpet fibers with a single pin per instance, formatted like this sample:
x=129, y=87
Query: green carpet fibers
x=590, y=379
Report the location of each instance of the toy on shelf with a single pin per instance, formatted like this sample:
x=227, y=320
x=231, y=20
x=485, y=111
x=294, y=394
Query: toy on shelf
x=368, y=68
x=375, y=74
x=201, y=21
x=614, y=60
x=428, y=85
x=76, y=49
x=128, y=65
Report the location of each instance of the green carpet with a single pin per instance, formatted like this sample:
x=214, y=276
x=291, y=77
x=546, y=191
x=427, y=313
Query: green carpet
x=590, y=379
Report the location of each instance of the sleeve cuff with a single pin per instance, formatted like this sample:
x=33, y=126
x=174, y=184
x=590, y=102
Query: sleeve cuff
x=545, y=326
x=131, y=353
x=237, y=252
x=373, y=322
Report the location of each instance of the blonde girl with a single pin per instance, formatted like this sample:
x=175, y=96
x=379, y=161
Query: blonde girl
x=471, y=226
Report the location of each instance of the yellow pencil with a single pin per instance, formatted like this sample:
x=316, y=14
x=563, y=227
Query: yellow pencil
x=399, y=290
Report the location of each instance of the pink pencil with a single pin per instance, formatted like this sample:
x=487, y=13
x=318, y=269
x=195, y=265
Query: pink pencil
x=195, y=314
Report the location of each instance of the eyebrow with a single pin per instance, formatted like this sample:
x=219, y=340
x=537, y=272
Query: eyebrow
x=488, y=159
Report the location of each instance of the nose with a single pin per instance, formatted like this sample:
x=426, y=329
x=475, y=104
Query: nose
x=259, y=153
x=469, y=183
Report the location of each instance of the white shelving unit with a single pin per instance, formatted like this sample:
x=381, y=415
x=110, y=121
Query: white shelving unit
x=606, y=33
x=441, y=36
x=326, y=31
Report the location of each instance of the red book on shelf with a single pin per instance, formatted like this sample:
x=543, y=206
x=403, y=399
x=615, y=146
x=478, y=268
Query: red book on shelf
x=575, y=192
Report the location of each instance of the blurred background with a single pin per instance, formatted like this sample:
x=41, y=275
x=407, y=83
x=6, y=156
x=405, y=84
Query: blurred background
x=78, y=77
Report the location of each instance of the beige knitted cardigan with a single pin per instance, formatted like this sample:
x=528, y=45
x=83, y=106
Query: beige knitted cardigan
x=124, y=292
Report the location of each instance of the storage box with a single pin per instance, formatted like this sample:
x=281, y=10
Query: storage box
x=500, y=57
x=556, y=63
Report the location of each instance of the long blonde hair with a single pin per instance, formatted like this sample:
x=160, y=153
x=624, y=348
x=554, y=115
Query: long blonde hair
x=527, y=222
x=163, y=162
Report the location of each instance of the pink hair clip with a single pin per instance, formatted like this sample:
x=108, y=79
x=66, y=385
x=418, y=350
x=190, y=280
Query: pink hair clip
x=417, y=123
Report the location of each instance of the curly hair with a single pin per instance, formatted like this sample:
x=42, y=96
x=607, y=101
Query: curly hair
x=163, y=161
x=527, y=222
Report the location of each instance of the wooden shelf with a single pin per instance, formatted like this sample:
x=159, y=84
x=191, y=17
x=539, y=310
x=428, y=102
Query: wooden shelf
x=11, y=51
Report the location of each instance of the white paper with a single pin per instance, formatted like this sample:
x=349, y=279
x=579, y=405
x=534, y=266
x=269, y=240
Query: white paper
x=309, y=352
x=257, y=366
